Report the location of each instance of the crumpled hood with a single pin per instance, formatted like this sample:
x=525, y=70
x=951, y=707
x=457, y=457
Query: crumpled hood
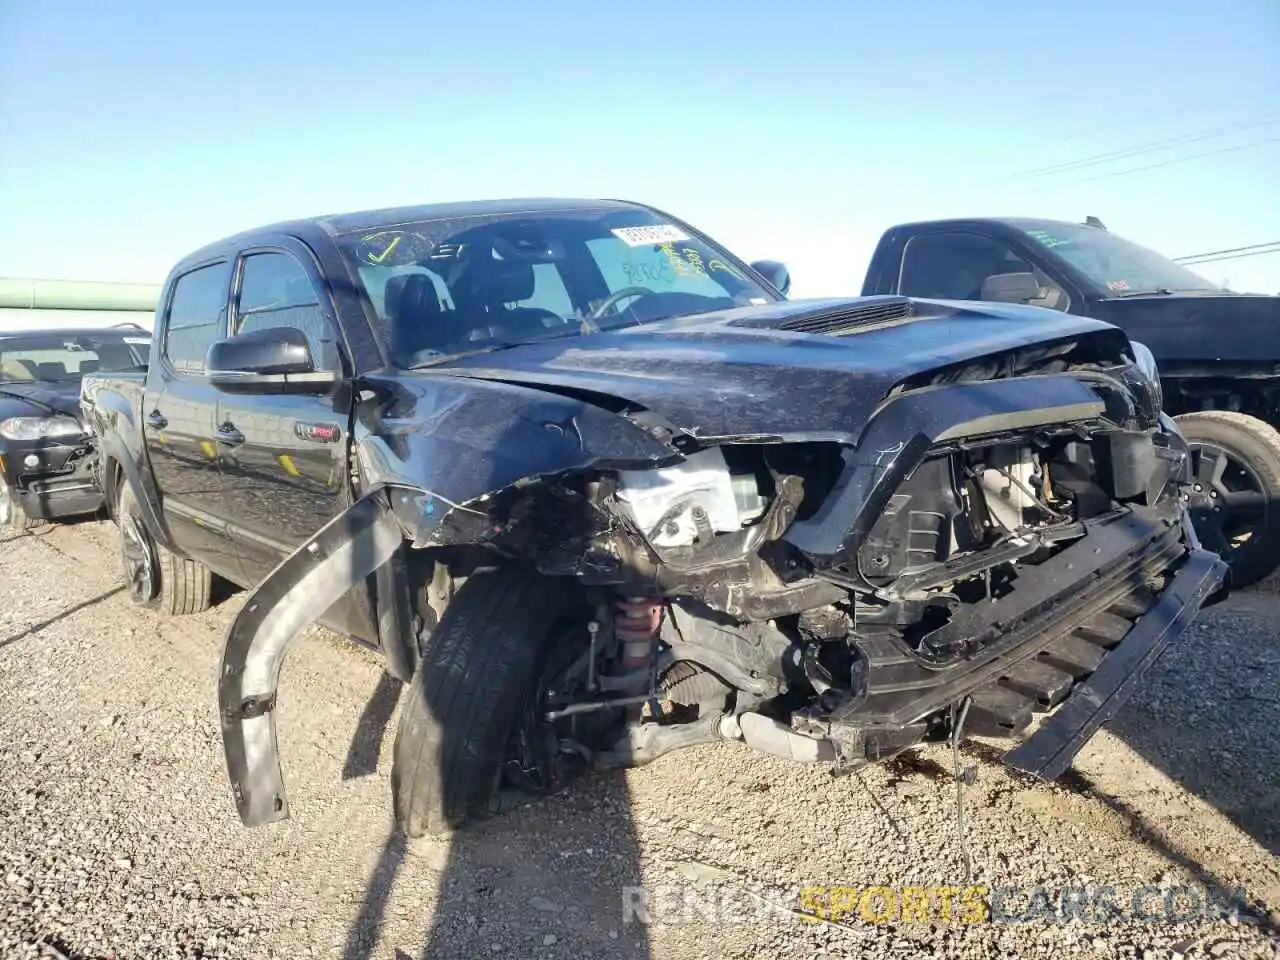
x=741, y=373
x=1228, y=328
x=33, y=399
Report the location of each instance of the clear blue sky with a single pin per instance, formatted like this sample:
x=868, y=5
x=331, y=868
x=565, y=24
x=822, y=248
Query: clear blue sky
x=132, y=132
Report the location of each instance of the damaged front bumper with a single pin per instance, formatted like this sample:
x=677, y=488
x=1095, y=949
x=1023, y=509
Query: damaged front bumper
x=52, y=481
x=1071, y=645
x=1202, y=580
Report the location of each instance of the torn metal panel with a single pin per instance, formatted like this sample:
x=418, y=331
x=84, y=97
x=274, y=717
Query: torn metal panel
x=345, y=551
x=459, y=446
x=907, y=426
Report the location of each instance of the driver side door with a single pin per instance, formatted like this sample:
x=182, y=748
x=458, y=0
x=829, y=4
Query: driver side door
x=283, y=456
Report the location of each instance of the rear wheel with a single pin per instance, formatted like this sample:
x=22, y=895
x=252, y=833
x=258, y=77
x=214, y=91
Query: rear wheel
x=1235, y=504
x=479, y=669
x=13, y=519
x=156, y=577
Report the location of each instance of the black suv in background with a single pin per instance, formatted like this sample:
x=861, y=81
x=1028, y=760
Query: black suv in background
x=46, y=454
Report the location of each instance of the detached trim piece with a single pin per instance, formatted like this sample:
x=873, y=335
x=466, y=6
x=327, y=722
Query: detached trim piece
x=1051, y=749
x=348, y=549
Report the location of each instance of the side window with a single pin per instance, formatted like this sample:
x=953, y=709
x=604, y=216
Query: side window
x=196, y=317
x=275, y=291
x=954, y=266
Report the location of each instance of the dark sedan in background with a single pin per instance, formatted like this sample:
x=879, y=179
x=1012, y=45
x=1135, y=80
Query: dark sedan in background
x=46, y=455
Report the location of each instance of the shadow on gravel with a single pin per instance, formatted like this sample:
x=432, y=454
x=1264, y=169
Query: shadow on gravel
x=910, y=763
x=61, y=615
x=500, y=895
x=1207, y=716
x=366, y=744
x=561, y=898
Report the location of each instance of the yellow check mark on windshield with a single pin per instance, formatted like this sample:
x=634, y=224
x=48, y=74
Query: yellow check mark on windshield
x=385, y=253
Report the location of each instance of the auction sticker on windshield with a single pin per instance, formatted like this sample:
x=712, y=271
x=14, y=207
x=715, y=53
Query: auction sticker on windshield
x=644, y=236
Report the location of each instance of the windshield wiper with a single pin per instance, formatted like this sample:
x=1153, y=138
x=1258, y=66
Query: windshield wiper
x=1153, y=292
x=492, y=348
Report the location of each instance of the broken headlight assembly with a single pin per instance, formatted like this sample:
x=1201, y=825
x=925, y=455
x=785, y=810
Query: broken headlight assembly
x=34, y=428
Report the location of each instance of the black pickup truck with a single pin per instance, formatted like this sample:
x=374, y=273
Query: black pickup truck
x=1218, y=352
x=600, y=491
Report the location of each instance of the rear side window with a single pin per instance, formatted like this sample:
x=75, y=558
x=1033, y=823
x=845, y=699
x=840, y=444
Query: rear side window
x=196, y=318
x=276, y=291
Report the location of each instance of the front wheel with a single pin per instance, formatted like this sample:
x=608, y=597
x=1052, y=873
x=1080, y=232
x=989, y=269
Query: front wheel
x=156, y=577
x=1235, y=503
x=479, y=667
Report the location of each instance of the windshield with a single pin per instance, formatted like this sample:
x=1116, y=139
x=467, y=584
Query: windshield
x=445, y=287
x=63, y=358
x=1113, y=263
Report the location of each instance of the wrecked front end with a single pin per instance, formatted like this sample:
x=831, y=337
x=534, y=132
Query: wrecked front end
x=1009, y=535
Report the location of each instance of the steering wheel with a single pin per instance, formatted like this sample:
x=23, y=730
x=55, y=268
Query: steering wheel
x=613, y=298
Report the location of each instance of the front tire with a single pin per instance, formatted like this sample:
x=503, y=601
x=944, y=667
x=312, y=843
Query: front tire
x=14, y=519
x=479, y=665
x=157, y=578
x=1235, y=506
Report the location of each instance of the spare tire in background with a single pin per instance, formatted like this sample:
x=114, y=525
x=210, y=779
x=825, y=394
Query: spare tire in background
x=1235, y=504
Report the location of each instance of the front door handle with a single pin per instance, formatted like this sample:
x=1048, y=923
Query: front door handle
x=229, y=435
x=156, y=420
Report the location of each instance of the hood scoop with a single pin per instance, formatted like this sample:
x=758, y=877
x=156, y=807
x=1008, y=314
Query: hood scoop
x=867, y=312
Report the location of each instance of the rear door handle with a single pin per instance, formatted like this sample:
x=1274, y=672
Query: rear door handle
x=156, y=420
x=229, y=435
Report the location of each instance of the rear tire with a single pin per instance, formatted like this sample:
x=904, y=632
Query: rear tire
x=1236, y=511
x=15, y=519
x=479, y=665
x=157, y=577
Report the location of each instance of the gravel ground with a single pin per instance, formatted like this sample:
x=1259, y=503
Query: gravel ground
x=118, y=836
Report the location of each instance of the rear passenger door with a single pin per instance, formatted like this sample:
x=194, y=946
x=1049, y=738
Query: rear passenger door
x=179, y=417
x=283, y=457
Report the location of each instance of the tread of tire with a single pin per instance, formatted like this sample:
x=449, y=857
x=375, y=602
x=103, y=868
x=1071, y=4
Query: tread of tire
x=465, y=694
x=185, y=585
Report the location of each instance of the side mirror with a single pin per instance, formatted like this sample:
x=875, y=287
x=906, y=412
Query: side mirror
x=1010, y=287
x=275, y=360
x=776, y=273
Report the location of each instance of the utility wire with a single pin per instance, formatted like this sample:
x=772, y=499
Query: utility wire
x=1234, y=256
x=1165, y=163
x=1137, y=150
x=1229, y=250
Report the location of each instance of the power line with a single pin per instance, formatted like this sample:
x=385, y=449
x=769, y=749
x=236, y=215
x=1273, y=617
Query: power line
x=1166, y=163
x=1234, y=256
x=1139, y=149
x=1218, y=253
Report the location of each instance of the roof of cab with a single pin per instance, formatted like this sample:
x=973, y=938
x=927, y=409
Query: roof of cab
x=338, y=223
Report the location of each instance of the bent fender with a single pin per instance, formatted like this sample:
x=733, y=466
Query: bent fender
x=349, y=548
